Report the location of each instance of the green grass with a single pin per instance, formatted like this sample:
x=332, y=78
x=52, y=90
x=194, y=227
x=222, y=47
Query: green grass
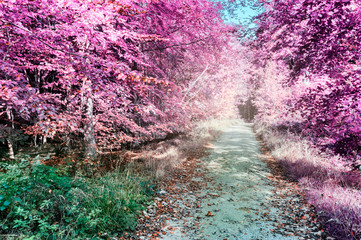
x=42, y=202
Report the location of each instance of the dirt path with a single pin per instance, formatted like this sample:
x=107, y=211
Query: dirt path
x=236, y=192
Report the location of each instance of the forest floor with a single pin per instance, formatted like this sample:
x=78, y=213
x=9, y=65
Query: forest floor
x=230, y=189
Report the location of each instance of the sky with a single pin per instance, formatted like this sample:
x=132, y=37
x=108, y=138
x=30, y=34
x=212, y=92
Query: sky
x=240, y=12
x=241, y=15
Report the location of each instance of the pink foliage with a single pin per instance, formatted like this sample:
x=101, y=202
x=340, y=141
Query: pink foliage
x=307, y=74
x=315, y=45
x=117, y=70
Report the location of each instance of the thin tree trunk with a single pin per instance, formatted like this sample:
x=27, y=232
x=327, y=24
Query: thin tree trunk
x=91, y=147
x=88, y=119
x=11, y=149
x=249, y=118
x=10, y=144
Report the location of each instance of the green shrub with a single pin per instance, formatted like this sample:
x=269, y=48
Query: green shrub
x=38, y=201
x=34, y=199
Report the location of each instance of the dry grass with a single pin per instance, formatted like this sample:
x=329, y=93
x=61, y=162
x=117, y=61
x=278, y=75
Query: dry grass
x=331, y=184
x=165, y=157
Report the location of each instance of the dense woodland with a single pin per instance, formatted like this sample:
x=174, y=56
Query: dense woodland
x=307, y=92
x=313, y=49
x=106, y=74
x=93, y=77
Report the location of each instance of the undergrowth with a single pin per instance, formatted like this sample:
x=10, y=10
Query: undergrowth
x=81, y=200
x=44, y=202
x=331, y=184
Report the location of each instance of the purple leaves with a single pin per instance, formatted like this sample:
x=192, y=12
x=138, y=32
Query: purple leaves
x=319, y=40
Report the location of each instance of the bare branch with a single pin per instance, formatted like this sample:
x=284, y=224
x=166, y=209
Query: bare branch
x=194, y=82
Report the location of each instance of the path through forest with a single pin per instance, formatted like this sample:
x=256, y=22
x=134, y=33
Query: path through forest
x=241, y=194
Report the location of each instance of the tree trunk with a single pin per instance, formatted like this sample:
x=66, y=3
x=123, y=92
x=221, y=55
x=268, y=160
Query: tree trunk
x=10, y=144
x=88, y=119
x=11, y=149
x=91, y=148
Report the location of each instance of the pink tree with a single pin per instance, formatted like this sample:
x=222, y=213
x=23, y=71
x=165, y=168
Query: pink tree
x=318, y=41
x=103, y=73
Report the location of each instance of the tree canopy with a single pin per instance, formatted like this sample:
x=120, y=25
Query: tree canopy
x=109, y=73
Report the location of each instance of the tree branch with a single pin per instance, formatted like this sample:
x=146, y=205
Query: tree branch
x=194, y=83
x=43, y=42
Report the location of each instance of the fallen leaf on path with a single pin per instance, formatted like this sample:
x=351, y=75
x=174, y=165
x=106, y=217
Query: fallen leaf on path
x=210, y=214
